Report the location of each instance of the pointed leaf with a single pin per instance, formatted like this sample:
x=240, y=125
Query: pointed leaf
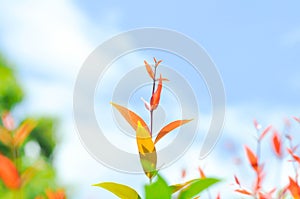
x=131, y=117
x=297, y=119
x=170, y=127
x=23, y=131
x=120, y=190
x=59, y=194
x=196, y=187
x=183, y=173
x=256, y=125
x=252, y=158
x=8, y=173
x=149, y=69
x=201, y=172
x=295, y=157
x=147, y=151
x=243, y=191
x=158, y=190
x=147, y=104
x=8, y=121
x=5, y=137
x=176, y=187
x=276, y=143
x=237, y=181
x=158, y=63
x=154, y=101
x=294, y=188
x=154, y=59
x=264, y=133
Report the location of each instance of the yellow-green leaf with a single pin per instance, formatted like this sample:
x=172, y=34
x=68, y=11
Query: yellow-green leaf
x=5, y=136
x=131, y=117
x=120, y=190
x=169, y=127
x=147, y=151
x=196, y=187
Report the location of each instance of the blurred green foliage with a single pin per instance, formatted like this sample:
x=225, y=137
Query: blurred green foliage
x=37, y=168
x=10, y=90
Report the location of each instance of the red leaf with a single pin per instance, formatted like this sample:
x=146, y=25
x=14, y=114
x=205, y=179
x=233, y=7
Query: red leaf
x=237, y=181
x=276, y=141
x=295, y=157
x=256, y=125
x=156, y=95
x=264, y=133
x=297, y=119
x=9, y=173
x=169, y=127
x=131, y=117
x=243, y=191
x=218, y=196
x=252, y=158
x=149, y=69
x=183, y=173
x=147, y=105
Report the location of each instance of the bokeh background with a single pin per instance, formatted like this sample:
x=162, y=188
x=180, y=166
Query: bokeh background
x=255, y=45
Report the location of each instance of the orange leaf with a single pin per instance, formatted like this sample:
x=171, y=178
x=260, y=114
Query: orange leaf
x=59, y=194
x=201, y=172
x=158, y=63
x=23, y=131
x=243, y=191
x=294, y=188
x=264, y=133
x=276, y=141
x=149, y=69
x=163, y=79
x=131, y=117
x=252, y=158
x=9, y=173
x=156, y=95
x=154, y=59
x=170, y=127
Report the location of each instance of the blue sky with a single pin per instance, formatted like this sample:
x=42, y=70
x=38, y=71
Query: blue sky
x=255, y=45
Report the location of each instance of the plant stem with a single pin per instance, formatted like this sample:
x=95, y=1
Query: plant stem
x=151, y=111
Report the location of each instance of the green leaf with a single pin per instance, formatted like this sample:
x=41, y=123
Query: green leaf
x=120, y=190
x=196, y=187
x=158, y=189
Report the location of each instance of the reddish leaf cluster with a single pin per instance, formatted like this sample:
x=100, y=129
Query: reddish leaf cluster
x=277, y=144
